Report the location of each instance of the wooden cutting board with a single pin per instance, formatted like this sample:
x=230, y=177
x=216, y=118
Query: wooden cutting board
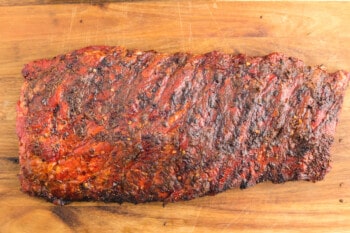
x=318, y=33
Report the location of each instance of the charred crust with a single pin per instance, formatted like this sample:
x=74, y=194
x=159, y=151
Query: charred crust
x=145, y=126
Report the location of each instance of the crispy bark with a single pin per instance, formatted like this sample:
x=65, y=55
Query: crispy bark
x=112, y=124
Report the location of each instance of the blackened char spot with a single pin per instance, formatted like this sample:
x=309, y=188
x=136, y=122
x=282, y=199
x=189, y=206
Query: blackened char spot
x=106, y=62
x=180, y=59
x=280, y=178
x=299, y=95
x=144, y=100
x=219, y=78
x=56, y=109
x=303, y=147
x=186, y=93
x=118, y=77
x=244, y=184
x=100, y=71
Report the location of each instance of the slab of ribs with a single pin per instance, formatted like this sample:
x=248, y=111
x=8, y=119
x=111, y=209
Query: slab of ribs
x=112, y=124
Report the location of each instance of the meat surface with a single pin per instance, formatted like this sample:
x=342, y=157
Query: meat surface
x=112, y=124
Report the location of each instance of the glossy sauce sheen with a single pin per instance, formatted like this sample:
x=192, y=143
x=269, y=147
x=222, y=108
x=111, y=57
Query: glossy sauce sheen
x=112, y=124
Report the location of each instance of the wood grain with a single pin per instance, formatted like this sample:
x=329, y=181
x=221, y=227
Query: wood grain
x=51, y=2
x=318, y=33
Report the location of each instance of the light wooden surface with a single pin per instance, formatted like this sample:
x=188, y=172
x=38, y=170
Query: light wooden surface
x=318, y=33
